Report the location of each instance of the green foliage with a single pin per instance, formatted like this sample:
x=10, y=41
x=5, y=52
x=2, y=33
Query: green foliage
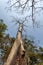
x=6, y=43
x=33, y=52
x=7, y=46
x=3, y=27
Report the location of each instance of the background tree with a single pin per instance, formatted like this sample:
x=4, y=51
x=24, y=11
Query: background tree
x=33, y=53
x=4, y=41
x=3, y=27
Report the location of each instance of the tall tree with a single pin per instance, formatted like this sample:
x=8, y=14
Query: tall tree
x=17, y=47
x=21, y=5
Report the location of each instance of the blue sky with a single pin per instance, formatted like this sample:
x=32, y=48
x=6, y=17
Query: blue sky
x=36, y=33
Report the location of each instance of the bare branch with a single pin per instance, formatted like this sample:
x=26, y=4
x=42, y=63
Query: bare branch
x=23, y=6
x=14, y=4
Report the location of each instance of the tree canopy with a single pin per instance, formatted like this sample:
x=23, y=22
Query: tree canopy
x=33, y=7
x=3, y=27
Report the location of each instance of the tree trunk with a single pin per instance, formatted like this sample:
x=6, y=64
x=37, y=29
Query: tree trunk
x=18, y=45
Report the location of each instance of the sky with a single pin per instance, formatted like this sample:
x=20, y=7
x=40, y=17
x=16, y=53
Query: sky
x=34, y=33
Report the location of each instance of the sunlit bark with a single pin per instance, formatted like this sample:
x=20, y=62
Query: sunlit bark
x=17, y=44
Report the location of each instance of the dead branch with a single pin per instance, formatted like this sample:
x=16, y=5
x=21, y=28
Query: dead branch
x=33, y=6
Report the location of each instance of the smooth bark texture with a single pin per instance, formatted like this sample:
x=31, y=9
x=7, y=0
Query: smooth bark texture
x=17, y=44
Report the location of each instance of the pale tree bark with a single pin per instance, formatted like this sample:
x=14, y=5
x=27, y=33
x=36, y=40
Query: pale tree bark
x=17, y=44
